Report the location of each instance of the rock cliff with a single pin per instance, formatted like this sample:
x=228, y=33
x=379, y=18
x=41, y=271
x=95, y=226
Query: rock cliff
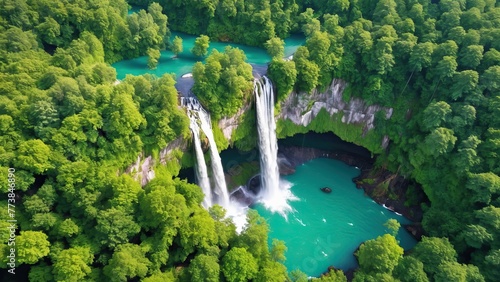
x=229, y=124
x=302, y=108
x=142, y=169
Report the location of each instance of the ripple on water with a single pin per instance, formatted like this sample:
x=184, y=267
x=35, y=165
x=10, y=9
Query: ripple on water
x=327, y=228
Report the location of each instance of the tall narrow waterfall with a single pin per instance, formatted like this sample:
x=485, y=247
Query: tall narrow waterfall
x=272, y=195
x=217, y=170
x=201, y=166
x=197, y=113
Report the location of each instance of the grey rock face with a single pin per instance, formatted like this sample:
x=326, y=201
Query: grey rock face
x=302, y=108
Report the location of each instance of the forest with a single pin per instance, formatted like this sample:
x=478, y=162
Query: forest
x=69, y=131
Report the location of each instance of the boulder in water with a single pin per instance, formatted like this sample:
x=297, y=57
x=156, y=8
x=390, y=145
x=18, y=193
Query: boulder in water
x=286, y=169
x=254, y=185
x=240, y=195
x=326, y=189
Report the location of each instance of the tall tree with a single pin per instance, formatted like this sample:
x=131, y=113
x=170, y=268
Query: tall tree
x=379, y=255
x=31, y=246
x=72, y=264
x=176, y=46
x=204, y=268
x=275, y=47
x=128, y=262
x=153, y=56
x=432, y=252
x=409, y=269
x=200, y=47
x=239, y=265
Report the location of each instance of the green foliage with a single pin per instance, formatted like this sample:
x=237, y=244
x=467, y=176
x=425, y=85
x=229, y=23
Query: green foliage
x=69, y=132
x=440, y=141
x=157, y=99
x=432, y=252
x=224, y=83
x=249, y=22
x=307, y=70
x=160, y=206
x=323, y=122
x=153, y=56
x=58, y=24
x=239, y=265
x=34, y=156
x=41, y=273
x=380, y=255
x=278, y=250
x=333, y=275
x=31, y=246
x=435, y=114
x=72, y=264
x=272, y=271
x=393, y=226
x=241, y=173
x=204, y=268
x=127, y=262
x=160, y=277
x=245, y=136
x=255, y=235
x=490, y=265
x=275, y=47
x=220, y=139
x=451, y=271
x=115, y=227
x=200, y=47
x=189, y=236
x=298, y=276
x=284, y=75
x=409, y=269
x=176, y=46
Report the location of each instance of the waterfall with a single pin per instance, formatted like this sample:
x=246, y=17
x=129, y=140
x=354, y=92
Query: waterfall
x=272, y=195
x=197, y=113
x=201, y=166
x=268, y=144
x=217, y=170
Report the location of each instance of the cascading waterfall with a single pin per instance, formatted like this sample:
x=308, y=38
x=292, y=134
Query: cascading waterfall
x=272, y=195
x=197, y=113
x=268, y=144
x=201, y=166
x=201, y=119
x=217, y=170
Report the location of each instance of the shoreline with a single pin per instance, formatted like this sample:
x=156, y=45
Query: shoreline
x=370, y=179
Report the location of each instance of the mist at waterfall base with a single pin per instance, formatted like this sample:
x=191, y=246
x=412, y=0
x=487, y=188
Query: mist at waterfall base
x=319, y=230
x=200, y=120
x=325, y=229
x=275, y=193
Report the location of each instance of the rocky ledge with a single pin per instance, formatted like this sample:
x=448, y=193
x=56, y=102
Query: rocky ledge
x=302, y=108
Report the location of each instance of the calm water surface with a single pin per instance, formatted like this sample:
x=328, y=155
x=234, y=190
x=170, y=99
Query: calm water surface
x=184, y=62
x=326, y=229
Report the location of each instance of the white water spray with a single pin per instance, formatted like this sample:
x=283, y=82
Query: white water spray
x=193, y=107
x=197, y=113
x=217, y=170
x=201, y=166
x=201, y=119
x=273, y=195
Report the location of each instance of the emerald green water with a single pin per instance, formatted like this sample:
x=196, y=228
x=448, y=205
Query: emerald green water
x=185, y=61
x=326, y=229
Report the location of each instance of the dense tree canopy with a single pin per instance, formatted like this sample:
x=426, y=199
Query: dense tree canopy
x=200, y=47
x=224, y=82
x=70, y=132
